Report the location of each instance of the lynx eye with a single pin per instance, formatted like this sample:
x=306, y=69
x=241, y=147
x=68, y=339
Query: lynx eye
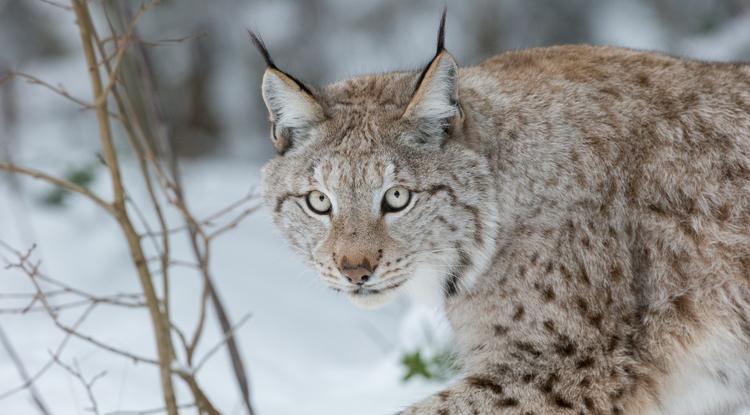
x=396, y=198
x=318, y=202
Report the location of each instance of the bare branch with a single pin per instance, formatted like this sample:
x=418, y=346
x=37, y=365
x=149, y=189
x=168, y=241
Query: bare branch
x=151, y=411
x=234, y=222
x=159, y=322
x=227, y=335
x=59, y=90
x=60, y=347
x=120, y=52
x=190, y=348
x=88, y=385
x=70, y=186
x=32, y=271
x=210, y=220
x=36, y=397
x=58, y=5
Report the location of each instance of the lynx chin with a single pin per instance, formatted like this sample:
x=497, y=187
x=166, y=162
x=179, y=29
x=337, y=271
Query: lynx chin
x=582, y=214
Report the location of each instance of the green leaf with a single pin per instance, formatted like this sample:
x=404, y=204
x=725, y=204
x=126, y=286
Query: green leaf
x=55, y=197
x=82, y=176
x=440, y=367
x=415, y=366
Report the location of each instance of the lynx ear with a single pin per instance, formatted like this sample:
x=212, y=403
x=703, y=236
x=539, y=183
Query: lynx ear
x=434, y=102
x=291, y=104
x=436, y=97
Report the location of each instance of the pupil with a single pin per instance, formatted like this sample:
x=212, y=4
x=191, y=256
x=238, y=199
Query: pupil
x=396, y=193
x=322, y=198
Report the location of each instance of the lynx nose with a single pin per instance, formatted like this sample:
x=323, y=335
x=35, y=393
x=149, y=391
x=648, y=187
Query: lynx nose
x=358, y=275
x=357, y=272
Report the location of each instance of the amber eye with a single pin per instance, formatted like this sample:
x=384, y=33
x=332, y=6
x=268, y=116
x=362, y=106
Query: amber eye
x=396, y=198
x=318, y=202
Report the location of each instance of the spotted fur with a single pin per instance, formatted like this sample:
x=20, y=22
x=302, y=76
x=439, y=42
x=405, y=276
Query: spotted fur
x=583, y=213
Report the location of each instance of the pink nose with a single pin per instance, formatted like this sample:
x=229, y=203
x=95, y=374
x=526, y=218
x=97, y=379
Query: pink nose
x=358, y=275
x=357, y=271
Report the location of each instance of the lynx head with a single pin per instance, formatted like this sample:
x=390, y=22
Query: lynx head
x=374, y=184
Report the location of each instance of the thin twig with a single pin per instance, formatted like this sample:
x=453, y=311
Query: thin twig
x=120, y=51
x=35, y=395
x=65, y=306
x=227, y=336
x=32, y=271
x=58, y=5
x=88, y=385
x=60, y=347
x=59, y=90
x=213, y=217
x=67, y=185
x=151, y=411
x=234, y=222
x=117, y=299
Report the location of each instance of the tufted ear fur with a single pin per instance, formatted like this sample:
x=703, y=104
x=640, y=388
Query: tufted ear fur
x=436, y=97
x=434, y=103
x=291, y=104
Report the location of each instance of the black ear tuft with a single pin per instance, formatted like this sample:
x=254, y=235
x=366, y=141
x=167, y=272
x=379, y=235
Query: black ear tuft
x=261, y=46
x=441, y=31
x=440, y=46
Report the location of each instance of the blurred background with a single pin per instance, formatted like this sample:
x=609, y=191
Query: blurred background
x=305, y=347
x=209, y=84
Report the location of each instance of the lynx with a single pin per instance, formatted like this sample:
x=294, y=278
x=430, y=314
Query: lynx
x=582, y=213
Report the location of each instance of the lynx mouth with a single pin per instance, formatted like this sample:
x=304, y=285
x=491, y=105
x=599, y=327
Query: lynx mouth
x=364, y=291
x=370, y=298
